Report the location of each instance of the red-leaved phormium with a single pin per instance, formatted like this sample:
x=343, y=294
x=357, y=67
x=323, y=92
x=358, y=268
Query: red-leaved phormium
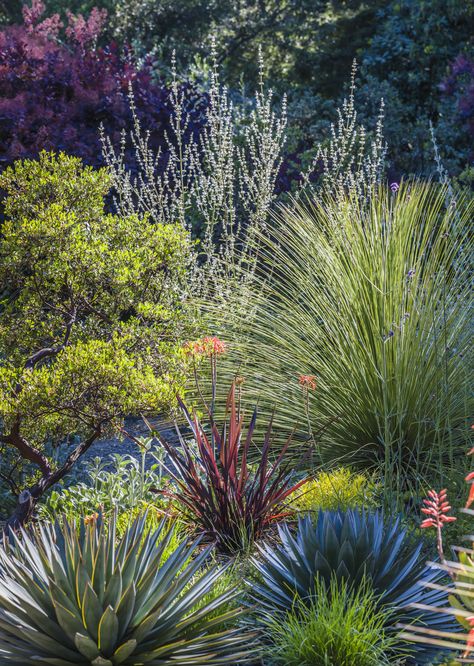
x=222, y=496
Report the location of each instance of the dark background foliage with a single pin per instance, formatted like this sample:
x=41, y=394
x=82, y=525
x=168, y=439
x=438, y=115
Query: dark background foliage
x=417, y=54
x=58, y=84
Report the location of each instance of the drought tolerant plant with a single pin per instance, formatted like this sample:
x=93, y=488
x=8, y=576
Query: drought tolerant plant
x=219, y=181
x=461, y=589
x=91, y=316
x=117, y=483
x=354, y=546
x=221, y=495
x=70, y=596
x=339, y=489
x=371, y=297
x=338, y=626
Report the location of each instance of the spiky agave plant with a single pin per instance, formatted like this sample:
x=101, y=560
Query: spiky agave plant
x=352, y=546
x=80, y=596
x=220, y=493
x=373, y=299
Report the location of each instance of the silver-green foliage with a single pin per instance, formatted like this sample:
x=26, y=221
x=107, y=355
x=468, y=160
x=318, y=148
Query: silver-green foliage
x=374, y=298
x=80, y=596
x=115, y=483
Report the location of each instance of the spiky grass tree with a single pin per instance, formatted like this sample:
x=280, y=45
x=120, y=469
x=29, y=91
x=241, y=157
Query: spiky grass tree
x=373, y=299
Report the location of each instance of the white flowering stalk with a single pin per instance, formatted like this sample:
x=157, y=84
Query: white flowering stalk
x=350, y=162
x=223, y=182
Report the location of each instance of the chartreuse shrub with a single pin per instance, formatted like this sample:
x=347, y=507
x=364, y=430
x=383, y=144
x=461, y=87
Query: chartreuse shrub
x=337, y=626
x=91, y=317
x=369, y=296
x=358, y=548
x=338, y=489
x=71, y=596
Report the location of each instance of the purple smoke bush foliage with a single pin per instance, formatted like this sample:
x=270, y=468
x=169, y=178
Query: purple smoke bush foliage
x=57, y=86
x=460, y=84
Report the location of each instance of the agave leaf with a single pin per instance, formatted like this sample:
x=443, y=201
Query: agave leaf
x=125, y=609
x=113, y=591
x=124, y=651
x=86, y=646
x=68, y=621
x=82, y=581
x=91, y=612
x=108, y=632
x=98, y=570
x=100, y=661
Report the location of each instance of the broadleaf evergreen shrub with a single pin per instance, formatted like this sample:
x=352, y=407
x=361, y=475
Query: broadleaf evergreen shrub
x=92, y=315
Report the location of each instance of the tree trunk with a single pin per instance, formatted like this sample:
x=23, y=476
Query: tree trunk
x=28, y=498
x=23, y=511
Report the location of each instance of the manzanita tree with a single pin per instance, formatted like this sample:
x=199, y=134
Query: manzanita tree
x=91, y=314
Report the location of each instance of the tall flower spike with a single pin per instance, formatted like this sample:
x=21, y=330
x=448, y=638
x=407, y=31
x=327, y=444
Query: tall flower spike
x=308, y=382
x=436, y=508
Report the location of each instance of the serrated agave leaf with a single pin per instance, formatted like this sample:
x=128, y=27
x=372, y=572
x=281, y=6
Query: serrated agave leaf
x=108, y=632
x=86, y=646
x=124, y=651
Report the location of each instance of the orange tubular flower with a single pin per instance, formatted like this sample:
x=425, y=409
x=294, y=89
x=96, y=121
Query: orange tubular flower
x=470, y=499
x=437, y=508
x=308, y=382
x=470, y=638
x=214, y=345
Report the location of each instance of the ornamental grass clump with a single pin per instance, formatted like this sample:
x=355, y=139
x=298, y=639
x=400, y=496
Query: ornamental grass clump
x=338, y=626
x=356, y=547
x=371, y=297
x=221, y=494
x=82, y=596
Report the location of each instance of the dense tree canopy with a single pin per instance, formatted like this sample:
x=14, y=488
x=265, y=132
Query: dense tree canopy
x=92, y=312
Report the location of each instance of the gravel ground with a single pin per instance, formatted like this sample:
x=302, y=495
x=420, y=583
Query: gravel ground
x=103, y=448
